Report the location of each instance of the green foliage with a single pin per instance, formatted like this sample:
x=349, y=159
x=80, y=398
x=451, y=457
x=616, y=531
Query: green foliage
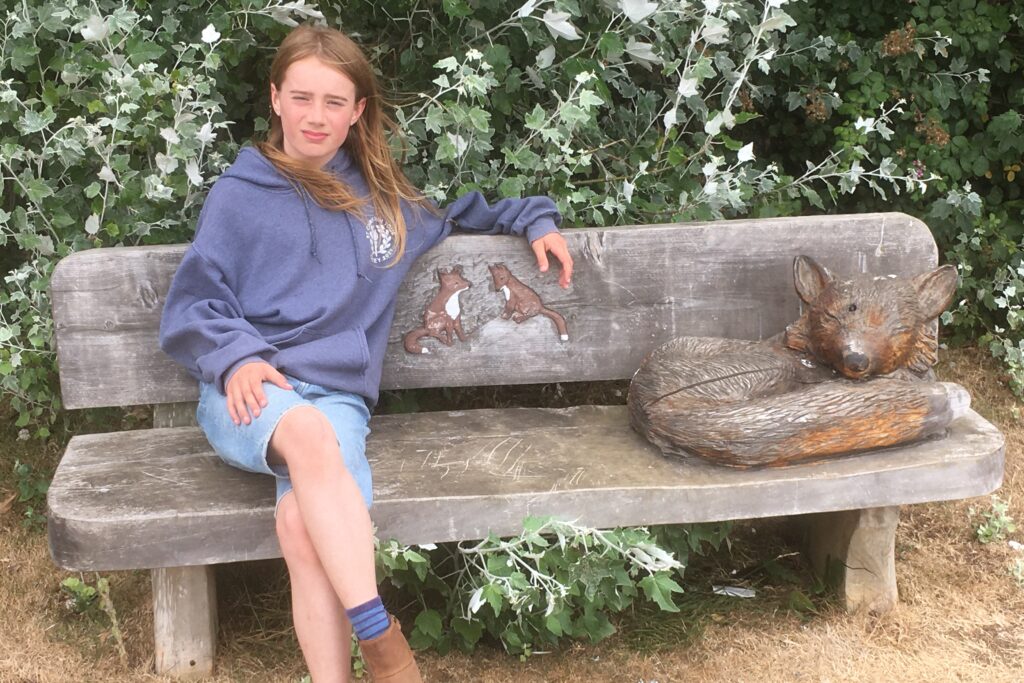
x=955, y=68
x=998, y=522
x=115, y=117
x=114, y=120
x=32, y=487
x=555, y=580
x=989, y=254
x=1017, y=571
x=83, y=597
x=95, y=603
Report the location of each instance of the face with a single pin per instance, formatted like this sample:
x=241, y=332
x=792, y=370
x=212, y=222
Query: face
x=317, y=105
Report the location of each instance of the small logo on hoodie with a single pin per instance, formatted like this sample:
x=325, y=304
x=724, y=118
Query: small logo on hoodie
x=382, y=240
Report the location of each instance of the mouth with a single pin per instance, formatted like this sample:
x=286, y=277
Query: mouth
x=313, y=136
x=854, y=374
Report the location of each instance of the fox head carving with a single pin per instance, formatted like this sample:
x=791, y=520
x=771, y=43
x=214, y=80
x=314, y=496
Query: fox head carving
x=866, y=326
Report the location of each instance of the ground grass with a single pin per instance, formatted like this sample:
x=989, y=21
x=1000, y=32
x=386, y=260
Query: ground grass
x=960, y=618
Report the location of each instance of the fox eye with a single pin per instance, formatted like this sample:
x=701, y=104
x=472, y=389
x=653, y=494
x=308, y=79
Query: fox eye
x=852, y=308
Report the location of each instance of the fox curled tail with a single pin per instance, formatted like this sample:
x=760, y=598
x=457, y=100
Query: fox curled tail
x=807, y=421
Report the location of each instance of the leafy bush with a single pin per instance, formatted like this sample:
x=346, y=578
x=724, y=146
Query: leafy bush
x=957, y=66
x=113, y=123
x=554, y=580
x=115, y=117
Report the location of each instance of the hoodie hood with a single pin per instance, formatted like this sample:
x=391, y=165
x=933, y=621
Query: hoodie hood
x=252, y=167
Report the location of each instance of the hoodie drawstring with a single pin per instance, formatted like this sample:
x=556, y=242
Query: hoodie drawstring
x=309, y=222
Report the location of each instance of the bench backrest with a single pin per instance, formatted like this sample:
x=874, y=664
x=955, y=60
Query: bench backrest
x=634, y=288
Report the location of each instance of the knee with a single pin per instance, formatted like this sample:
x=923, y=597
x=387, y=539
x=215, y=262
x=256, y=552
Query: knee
x=306, y=432
x=296, y=545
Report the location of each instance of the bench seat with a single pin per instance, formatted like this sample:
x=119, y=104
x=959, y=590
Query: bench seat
x=161, y=498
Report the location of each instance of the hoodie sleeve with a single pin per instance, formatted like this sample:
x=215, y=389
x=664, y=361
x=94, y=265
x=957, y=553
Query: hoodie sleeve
x=202, y=325
x=531, y=217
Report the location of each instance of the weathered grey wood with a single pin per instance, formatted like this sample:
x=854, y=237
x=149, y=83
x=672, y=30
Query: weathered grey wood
x=185, y=620
x=161, y=498
x=860, y=546
x=175, y=414
x=634, y=287
x=184, y=598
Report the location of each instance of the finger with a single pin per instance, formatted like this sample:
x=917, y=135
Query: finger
x=540, y=249
x=277, y=379
x=561, y=252
x=252, y=402
x=231, y=409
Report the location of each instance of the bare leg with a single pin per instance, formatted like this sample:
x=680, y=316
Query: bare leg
x=329, y=503
x=331, y=509
x=323, y=630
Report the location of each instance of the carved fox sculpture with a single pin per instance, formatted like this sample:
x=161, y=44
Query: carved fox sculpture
x=443, y=315
x=521, y=302
x=850, y=375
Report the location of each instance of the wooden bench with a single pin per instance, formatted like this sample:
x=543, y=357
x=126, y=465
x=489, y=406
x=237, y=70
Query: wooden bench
x=159, y=499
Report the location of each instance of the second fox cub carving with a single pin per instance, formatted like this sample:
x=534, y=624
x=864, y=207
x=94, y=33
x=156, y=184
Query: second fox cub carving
x=801, y=396
x=521, y=302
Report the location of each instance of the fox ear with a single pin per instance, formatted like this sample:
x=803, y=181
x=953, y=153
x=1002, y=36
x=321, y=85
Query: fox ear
x=936, y=290
x=457, y=269
x=810, y=278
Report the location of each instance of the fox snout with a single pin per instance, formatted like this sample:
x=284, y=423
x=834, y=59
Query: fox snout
x=855, y=364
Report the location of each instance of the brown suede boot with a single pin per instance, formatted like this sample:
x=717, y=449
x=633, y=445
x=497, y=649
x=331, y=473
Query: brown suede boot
x=389, y=658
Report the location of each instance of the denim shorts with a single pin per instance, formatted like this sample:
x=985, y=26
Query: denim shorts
x=245, y=445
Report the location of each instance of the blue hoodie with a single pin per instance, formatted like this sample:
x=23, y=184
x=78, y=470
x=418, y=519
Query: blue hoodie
x=272, y=276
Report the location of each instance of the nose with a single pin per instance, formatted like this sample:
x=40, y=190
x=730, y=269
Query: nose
x=855, y=361
x=316, y=112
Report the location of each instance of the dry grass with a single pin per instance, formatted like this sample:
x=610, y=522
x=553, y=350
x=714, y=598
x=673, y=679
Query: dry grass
x=961, y=616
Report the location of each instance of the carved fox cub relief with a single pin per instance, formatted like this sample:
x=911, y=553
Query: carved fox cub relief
x=443, y=315
x=521, y=302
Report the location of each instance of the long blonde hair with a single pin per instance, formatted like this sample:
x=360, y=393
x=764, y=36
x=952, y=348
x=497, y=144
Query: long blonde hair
x=367, y=143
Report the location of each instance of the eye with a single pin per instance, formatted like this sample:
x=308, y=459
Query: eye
x=852, y=308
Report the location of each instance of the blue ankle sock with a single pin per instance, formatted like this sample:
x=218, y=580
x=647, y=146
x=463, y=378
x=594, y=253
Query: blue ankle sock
x=369, y=619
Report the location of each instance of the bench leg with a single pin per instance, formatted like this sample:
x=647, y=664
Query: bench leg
x=856, y=548
x=185, y=620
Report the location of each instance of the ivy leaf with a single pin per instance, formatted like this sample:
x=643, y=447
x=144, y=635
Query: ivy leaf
x=492, y=594
x=456, y=8
x=535, y=119
x=37, y=190
x=778, y=21
x=642, y=51
x=715, y=31
x=428, y=622
x=480, y=119
x=471, y=631
x=638, y=10
x=559, y=25
x=33, y=121
x=596, y=626
x=588, y=99
x=1005, y=124
x=659, y=589
x=546, y=57
x=553, y=624
x=527, y=8
x=611, y=46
